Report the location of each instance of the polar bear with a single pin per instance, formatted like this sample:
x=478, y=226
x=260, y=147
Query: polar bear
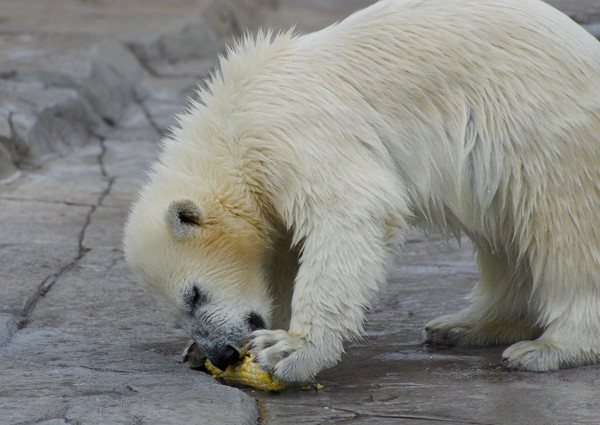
x=277, y=203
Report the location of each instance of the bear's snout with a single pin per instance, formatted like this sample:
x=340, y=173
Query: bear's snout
x=227, y=357
x=223, y=344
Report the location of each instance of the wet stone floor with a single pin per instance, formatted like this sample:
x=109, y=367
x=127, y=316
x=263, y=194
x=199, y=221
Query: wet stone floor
x=391, y=377
x=79, y=341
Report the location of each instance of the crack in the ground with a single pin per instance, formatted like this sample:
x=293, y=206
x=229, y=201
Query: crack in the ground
x=11, y=143
x=140, y=59
x=100, y=159
x=150, y=119
x=105, y=370
x=263, y=412
x=264, y=415
x=146, y=66
x=45, y=201
x=201, y=78
x=48, y=283
x=359, y=415
x=60, y=414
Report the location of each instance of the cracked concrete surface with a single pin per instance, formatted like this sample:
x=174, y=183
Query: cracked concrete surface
x=46, y=285
x=80, y=118
x=87, y=88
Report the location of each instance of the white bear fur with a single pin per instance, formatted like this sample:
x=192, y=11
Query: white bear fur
x=310, y=155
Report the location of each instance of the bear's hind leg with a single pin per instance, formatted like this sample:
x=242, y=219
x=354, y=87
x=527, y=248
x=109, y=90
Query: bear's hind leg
x=500, y=313
x=572, y=334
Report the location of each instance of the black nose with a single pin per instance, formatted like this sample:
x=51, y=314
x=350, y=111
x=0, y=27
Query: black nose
x=228, y=357
x=255, y=322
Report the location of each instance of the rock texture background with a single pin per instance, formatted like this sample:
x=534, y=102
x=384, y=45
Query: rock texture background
x=87, y=88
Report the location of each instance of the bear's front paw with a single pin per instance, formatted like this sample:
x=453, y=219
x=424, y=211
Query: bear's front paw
x=289, y=357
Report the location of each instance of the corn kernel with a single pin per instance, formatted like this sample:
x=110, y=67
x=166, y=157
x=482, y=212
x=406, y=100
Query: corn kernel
x=246, y=372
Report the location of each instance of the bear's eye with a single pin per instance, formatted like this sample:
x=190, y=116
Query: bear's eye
x=255, y=322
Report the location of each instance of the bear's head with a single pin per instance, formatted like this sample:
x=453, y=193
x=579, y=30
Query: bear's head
x=203, y=261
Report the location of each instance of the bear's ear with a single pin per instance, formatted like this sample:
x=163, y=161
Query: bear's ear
x=184, y=217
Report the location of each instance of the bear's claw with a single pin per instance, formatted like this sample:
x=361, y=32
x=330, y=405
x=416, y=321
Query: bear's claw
x=536, y=356
x=271, y=347
x=289, y=357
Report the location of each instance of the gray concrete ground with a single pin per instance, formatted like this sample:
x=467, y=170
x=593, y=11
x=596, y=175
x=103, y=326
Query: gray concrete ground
x=86, y=90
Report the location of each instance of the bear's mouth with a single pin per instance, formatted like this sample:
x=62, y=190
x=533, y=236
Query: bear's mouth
x=225, y=347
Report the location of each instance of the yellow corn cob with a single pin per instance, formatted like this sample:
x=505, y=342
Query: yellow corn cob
x=246, y=372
